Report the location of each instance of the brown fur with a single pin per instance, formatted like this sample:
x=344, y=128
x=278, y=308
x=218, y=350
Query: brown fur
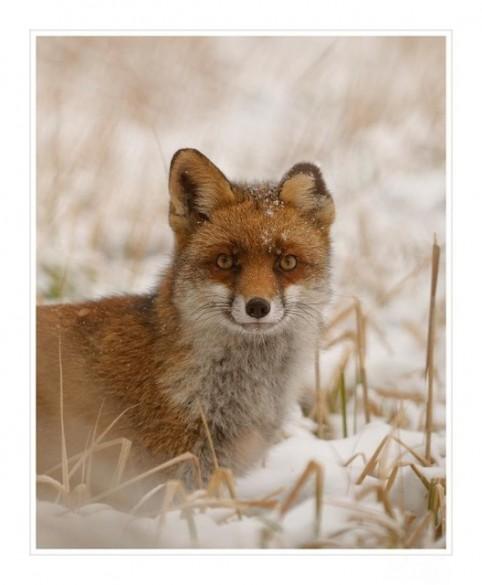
x=146, y=356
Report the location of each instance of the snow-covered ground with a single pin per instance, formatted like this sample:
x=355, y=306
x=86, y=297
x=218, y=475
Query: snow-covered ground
x=371, y=113
x=351, y=514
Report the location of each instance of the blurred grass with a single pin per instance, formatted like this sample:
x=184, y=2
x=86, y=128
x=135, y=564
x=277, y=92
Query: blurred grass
x=112, y=111
x=370, y=110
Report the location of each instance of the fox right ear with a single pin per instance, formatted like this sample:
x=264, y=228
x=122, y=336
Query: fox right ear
x=303, y=187
x=197, y=188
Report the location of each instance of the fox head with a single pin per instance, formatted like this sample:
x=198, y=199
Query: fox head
x=250, y=258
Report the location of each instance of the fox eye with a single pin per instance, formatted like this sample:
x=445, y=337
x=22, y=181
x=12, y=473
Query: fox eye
x=288, y=262
x=224, y=261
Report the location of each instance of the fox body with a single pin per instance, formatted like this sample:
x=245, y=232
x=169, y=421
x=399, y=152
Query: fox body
x=222, y=337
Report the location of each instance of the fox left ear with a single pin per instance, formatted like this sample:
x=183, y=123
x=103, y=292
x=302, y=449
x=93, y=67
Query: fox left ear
x=303, y=187
x=197, y=188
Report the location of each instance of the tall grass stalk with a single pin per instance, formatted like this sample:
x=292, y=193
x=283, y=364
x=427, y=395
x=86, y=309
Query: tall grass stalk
x=429, y=365
x=342, y=387
x=361, y=348
x=64, y=458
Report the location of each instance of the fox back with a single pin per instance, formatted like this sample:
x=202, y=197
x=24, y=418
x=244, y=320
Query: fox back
x=214, y=351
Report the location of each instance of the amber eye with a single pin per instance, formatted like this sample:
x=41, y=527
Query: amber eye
x=288, y=262
x=224, y=261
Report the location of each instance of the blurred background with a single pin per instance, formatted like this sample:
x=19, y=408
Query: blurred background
x=111, y=111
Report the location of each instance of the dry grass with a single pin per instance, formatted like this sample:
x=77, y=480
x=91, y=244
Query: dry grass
x=110, y=114
x=395, y=527
x=430, y=348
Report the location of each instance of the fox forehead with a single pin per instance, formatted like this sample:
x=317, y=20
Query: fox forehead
x=267, y=226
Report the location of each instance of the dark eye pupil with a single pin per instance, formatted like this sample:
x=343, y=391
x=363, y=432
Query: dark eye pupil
x=288, y=262
x=224, y=261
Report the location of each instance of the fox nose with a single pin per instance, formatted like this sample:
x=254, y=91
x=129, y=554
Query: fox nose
x=257, y=307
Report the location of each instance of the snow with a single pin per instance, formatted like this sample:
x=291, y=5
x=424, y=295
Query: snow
x=105, y=138
x=100, y=526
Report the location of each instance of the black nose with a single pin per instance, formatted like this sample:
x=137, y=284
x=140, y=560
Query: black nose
x=257, y=308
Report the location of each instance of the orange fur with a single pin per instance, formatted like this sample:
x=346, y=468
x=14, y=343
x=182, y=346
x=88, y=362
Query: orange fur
x=147, y=356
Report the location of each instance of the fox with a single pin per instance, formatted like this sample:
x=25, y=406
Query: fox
x=207, y=362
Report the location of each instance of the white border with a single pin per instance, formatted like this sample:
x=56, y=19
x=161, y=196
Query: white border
x=32, y=283
x=449, y=286
x=448, y=35
x=128, y=32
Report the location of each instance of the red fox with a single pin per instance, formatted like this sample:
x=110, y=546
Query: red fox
x=221, y=337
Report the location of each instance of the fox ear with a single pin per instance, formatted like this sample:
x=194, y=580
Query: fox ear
x=197, y=187
x=303, y=187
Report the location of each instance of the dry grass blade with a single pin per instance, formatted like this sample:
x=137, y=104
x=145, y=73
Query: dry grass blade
x=382, y=497
x=84, y=470
x=399, y=418
x=385, y=500
x=265, y=502
x=247, y=506
x=125, y=450
x=343, y=402
x=125, y=446
x=114, y=422
x=369, y=514
x=429, y=365
x=394, y=290
x=392, y=477
x=414, y=538
x=385, y=462
x=79, y=496
x=175, y=461
x=436, y=503
x=394, y=394
x=414, y=330
x=361, y=348
x=412, y=451
x=222, y=476
x=64, y=458
x=355, y=456
x=187, y=511
x=176, y=488
x=47, y=480
x=370, y=466
x=313, y=468
x=96, y=448
x=341, y=316
x=146, y=497
x=170, y=490
x=379, y=331
x=420, y=476
x=78, y=457
x=343, y=337
x=208, y=435
x=321, y=409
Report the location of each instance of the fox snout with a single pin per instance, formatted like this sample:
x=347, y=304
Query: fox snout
x=257, y=310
